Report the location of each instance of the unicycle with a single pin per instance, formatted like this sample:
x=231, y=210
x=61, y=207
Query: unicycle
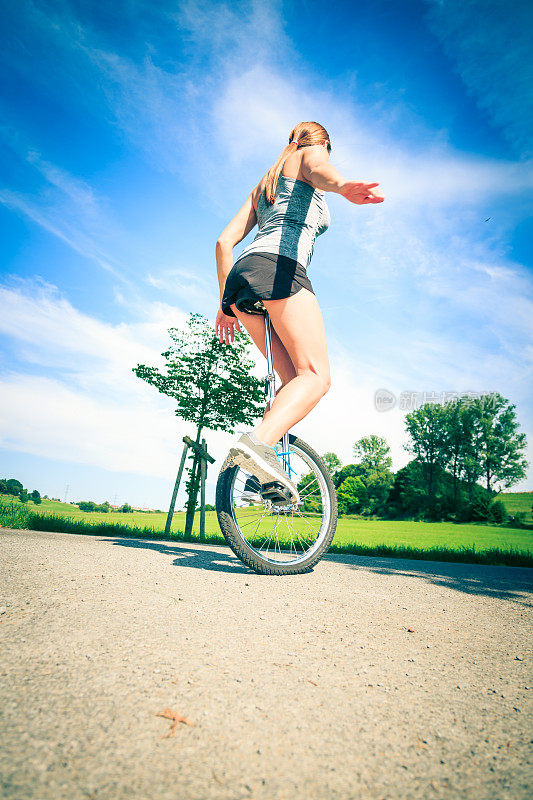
x=265, y=530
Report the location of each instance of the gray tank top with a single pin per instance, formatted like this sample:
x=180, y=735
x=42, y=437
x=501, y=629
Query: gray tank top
x=290, y=225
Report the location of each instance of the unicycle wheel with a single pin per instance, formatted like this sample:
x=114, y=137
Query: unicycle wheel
x=274, y=537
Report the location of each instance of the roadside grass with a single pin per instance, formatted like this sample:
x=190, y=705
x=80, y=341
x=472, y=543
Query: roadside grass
x=434, y=541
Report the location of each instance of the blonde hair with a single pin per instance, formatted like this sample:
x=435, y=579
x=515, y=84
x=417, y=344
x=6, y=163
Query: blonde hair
x=302, y=135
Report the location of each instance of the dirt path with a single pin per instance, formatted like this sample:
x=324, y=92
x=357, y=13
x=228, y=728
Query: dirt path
x=368, y=678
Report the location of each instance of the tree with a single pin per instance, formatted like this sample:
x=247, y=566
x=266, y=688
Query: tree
x=90, y=505
x=307, y=489
x=86, y=505
x=455, y=420
x=429, y=440
x=502, y=457
x=36, y=497
x=407, y=497
x=23, y=496
x=373, y=452
x=373, y=472
x=332, y=462
x=378, y=483
x=469, y=461
x=211, y=384
x=351, y=494
x=125, y=509
x=498, y=512
x=347, y=471
x=13, y=486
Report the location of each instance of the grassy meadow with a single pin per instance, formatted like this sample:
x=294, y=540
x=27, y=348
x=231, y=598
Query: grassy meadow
x=517, y=502
x=475, y=543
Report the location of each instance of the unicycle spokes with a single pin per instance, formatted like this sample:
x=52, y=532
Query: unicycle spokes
x=280, y=537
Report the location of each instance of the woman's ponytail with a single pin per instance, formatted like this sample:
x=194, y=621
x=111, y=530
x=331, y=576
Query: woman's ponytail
x=304, y=134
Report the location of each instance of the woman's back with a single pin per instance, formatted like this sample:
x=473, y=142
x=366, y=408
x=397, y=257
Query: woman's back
x=290, y=225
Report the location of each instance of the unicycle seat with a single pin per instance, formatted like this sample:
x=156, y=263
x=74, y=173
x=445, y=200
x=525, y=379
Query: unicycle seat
x=251, y=306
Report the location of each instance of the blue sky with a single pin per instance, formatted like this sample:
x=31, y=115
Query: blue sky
x=131, y=133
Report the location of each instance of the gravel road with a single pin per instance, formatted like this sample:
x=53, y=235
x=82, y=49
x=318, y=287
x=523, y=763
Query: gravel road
x=367, y=678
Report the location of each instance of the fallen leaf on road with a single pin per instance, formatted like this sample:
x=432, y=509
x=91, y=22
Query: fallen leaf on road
x=215, y=776
x=410, y=630
x=176, y=718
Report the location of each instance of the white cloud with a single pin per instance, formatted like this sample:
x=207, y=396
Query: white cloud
x=489, y=42
x=192, y=287
x=256, y=109
x=47, y=418
x=89, y=407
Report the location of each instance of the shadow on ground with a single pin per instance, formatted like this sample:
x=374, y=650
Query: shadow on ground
x=187, y=555
x=505, y=583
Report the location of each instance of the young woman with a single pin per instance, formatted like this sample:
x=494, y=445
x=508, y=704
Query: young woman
x=289, y=207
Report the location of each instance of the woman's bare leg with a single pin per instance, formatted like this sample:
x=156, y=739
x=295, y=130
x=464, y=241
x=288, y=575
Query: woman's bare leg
x=297, y=320
x=254, y=324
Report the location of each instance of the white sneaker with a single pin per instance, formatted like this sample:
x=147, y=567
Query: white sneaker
x=262, y=461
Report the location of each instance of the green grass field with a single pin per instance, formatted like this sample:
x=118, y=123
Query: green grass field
x=365, y=535
x=517, y=501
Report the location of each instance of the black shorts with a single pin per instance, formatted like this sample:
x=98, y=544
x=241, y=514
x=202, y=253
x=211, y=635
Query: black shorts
x=262, y=276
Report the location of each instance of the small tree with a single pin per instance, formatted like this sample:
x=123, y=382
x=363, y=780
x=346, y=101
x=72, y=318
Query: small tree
x=23, y=496
x=498, y=512
x=36, y=497
x=351, y=494
x=86, y=505
x=407, y=498
x=211, y=384
x=373, y=452
x=502, y=457
x=429, y=440
x=14, y=487
x=332, y=462
x=347, y=471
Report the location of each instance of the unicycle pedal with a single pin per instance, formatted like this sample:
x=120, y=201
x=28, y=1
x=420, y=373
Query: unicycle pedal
x=276, y=492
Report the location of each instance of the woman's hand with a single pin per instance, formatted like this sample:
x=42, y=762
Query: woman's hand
x=225, y=327
x=360, y=192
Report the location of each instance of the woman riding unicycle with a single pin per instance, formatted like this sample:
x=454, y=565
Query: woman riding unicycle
x=276, y=503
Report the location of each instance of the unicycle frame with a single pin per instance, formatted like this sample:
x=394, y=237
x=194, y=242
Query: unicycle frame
x=270, y=392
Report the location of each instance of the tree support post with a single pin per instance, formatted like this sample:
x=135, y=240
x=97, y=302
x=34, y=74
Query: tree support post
x=203, y=470
x=175, y=492
x=201, y=453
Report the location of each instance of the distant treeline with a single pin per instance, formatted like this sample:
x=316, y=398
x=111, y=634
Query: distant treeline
x=14, y=488
x=455, y=445
x=90, y=505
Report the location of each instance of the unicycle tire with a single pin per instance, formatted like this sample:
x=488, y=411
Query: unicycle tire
x=245, y=551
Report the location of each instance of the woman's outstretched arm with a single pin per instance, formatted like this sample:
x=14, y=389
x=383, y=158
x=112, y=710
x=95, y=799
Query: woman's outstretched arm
x=325, y=176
